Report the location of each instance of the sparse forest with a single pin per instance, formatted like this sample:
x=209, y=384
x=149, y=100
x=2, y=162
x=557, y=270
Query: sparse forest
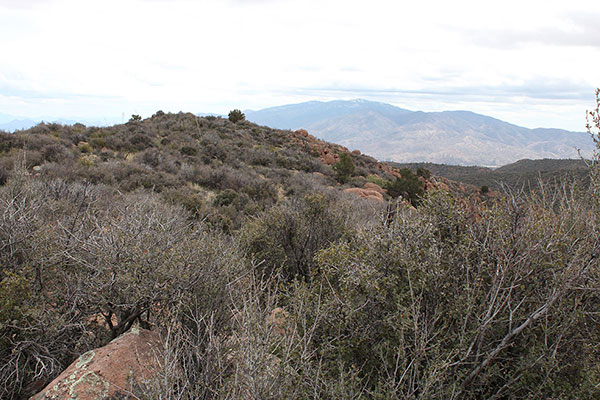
x=199, y=228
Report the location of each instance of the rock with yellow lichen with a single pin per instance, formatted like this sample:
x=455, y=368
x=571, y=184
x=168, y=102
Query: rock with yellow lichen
x=110, y=372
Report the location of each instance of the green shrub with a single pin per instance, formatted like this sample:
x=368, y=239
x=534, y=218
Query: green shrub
x=188, y=151
x=430, y=295
x=285, y=238
x=408, y=186
x=378, y=180
x=344, y=168
x=85, y=148
x=423, y=172
x=236, y=116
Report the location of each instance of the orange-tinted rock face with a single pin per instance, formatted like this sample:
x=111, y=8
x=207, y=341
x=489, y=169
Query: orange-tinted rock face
x=302, y=132
x=328, y=152
x=107, y=372
x=375, y=187
x=443, y=186
x=366, y=194
x=328, y=157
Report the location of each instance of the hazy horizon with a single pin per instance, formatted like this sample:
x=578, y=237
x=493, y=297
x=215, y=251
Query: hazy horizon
x=532, y=64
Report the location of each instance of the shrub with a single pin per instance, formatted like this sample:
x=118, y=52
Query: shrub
x=56, y=153
x=140, y=141
x=236, y=116
x=98, y=142
x=344, y=168
x=151, y=158
x=188, y=151
x=286, y=238
x=433, y=291
x=408, y=186
x=84, y=147
x=378, y=180
x=3, y=175
x=423, y=172
x=8, y=141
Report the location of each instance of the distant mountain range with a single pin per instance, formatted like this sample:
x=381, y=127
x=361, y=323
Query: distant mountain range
x=450, y=137
x=390, y=133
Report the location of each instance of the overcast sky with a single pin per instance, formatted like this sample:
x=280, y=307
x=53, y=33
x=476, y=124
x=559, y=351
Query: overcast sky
x=532, y=63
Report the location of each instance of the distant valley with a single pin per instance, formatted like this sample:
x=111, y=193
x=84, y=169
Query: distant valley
x=521, y=175
x=390, y=133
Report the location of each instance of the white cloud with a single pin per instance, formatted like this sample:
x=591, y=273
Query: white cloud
x=508, y=59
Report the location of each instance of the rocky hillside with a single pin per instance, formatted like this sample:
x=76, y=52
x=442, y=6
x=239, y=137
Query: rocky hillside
x=451, y=137
x=219, y=170
x=180, y=257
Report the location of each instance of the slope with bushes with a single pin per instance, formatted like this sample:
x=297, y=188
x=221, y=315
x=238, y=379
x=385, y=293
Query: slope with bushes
x=235, y=243
x=525, y=174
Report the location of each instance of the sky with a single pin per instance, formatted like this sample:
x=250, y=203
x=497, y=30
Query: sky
x=532, y=63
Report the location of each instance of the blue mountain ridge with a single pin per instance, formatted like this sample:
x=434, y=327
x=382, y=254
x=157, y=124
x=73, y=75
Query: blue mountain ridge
x=453, y=137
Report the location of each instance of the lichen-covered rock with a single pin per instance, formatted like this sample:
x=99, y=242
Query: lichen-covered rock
x=109, y=372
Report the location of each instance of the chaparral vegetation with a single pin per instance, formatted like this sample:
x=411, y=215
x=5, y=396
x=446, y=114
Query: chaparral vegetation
x=268, y=280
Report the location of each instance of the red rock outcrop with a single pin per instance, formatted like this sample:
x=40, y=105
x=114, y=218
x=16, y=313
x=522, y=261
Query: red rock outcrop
x=443, y=186
x=109, y=371
x=375, y=187
x=388, y=170
x=366, y=194
x=302, y=132
x=328, y=157
x=328, y=152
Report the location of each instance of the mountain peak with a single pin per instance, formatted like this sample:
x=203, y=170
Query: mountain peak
x=391, y=133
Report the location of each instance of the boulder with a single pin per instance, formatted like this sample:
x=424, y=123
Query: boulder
x=328, y=157
x=443, y=186
x=110, y=371
x=366, y=194
x=375, y=187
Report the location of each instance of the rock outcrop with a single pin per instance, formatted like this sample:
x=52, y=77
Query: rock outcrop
x=375, y=187
x=108, y=372
x=366, y=194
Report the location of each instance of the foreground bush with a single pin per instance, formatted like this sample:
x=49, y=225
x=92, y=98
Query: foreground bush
x=436, y=306
x=81, y=264
x=315, y=296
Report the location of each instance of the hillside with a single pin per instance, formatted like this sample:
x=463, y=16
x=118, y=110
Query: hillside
x=219, y=170
x=12, y=123
x=450, y=137
x=197, y=258
x=525, y=174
